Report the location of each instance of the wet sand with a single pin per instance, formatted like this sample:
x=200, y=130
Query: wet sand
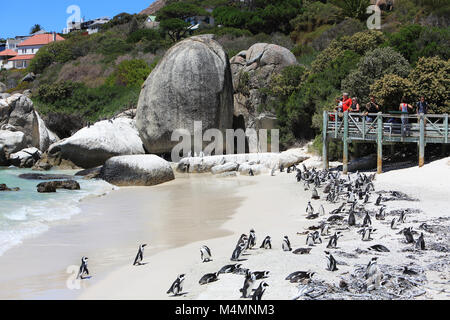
x=110, y=229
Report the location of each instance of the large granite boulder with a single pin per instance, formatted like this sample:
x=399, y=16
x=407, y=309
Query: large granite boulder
x=25, y=158
x=140, y=170
x=92, y=146
x=253, y=70
x=52, y=186
x=192, y=82
x=10, y=142
x=17, y=114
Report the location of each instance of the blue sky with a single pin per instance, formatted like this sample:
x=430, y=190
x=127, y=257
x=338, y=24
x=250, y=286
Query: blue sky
x=17, y=17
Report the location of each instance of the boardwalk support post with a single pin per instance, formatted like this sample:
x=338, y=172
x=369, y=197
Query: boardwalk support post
x=325, y=141
x=345, y=140
x=380, y=144
x=422, y=140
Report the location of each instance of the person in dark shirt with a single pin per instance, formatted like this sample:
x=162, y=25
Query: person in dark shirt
x=422, y=106
x=371, y=107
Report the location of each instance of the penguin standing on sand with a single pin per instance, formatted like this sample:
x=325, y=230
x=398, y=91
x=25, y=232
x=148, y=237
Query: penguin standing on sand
x=267, y=243
x=139, y=256
x=260, y=291
x=378, y=202
x=249, y=283
x=408, y=235
x=238, y=252
x=332, y=244
x=309, y=208
x=420, y=243
x=315, y=194
x=366, y=233
x=351, y=219
x=331, y=265
x=372, y=268
x=84, y=271
x=394, y=223
x=177, y=286
x=252, y=239
x=286, y=244
x=367, y=222
x=205, y=254
x=381, y=215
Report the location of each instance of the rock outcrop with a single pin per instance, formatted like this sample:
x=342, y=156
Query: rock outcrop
x=258, y=162
x=253, y=70
x=25, y=158
x=17, y=114
x=4, y=187
x=2, y=87
x=52, y=186
x=192, y=82
x=92, y=146
x=10, y=142
x=140, y=170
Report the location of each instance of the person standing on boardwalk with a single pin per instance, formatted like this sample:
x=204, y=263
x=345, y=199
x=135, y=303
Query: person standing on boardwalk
x=405, y=122
x=422, y=106
x=371, y=107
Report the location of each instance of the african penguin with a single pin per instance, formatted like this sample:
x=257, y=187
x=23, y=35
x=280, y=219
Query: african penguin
x=208, y=278
x=177, y=286
x=139, y=256
x=331, y=265
x=83, y=272
x=205, y=254
x=286, y=244
x=249, y=283
x=267, y=243
x=260, y=291
x=420, y=243
x=231, y=268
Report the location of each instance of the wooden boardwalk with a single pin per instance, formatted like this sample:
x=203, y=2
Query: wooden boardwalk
x=383, y=129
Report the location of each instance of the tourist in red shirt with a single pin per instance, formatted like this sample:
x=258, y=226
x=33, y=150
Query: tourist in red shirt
x=346, y=102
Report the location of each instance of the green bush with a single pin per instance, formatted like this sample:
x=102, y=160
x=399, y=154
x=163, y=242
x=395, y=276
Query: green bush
x=129, y=73
x=147, y=34
x=373, y=66
x=389, y=90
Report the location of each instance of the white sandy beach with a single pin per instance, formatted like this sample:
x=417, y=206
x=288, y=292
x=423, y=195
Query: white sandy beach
x=275, y=206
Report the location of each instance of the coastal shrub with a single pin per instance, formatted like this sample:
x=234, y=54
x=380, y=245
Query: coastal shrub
x=147, y=34
x=360, y=43
x=129, y=73
x=373, y=66
x=54, y=52
x=415, y=41
x=431, y=78
x=389, y=90
x=353, y=8
x=50, y=93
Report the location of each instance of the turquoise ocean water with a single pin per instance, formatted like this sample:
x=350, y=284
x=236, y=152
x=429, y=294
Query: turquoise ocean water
x=27, y=213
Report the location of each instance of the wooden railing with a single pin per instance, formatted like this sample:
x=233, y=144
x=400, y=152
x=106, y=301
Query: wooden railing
x=384, y=128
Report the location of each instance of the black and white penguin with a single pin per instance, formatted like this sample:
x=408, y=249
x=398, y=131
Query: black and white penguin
x=301, y=251
x=408, y=235
x=286, y=244
x=205, y=254
x=299, y=175
x=420, y=243
x=249, y=283
x=402, y=217
x=238, y=251
x=316, y=237
x=231, y=268
x=267, y=243
x=321, y=210
x=310, y=240
x=251, y=173
x=315, y=194
x=366, y=233
x=338, y=210
x=208, y=278
x=394, y=223
x=351, y=219
x=309, y=208
x=252, y=239
x=332, y=244
x=379, y=248
x=366, y=198
x=378, y=201
x=84, y=271
x=139, y=256
x=367, y=222
x=331, y=265
x=243, y=240
x=381, y=215
x=324, y=229
x=177, y=287
x=260, y=291
x=300, y=276
x=261, y=275
x=372, y=268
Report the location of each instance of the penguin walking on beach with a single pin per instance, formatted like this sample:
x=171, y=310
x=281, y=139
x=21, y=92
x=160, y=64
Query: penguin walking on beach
x=315, y=194
x=420, y=243
x=309, y=208
x=260, y=291
x=332, y=264
x=177, y=286
x=139, y=256
x=208, y=278
x=367, y=222
x=238, y=251
x=267, y=243
x=84, y=271
x=252, y=239
x=249, y=283
x=205, y=254
x=332, y=244
x=408, y=235
x=372, y=268
x=286, y=244
x=378, y=201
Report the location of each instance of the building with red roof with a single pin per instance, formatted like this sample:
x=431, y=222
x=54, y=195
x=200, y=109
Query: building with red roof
x=29, y=47
x=5, y=55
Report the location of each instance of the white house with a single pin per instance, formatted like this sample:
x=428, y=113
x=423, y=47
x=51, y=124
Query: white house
x=26, y=50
